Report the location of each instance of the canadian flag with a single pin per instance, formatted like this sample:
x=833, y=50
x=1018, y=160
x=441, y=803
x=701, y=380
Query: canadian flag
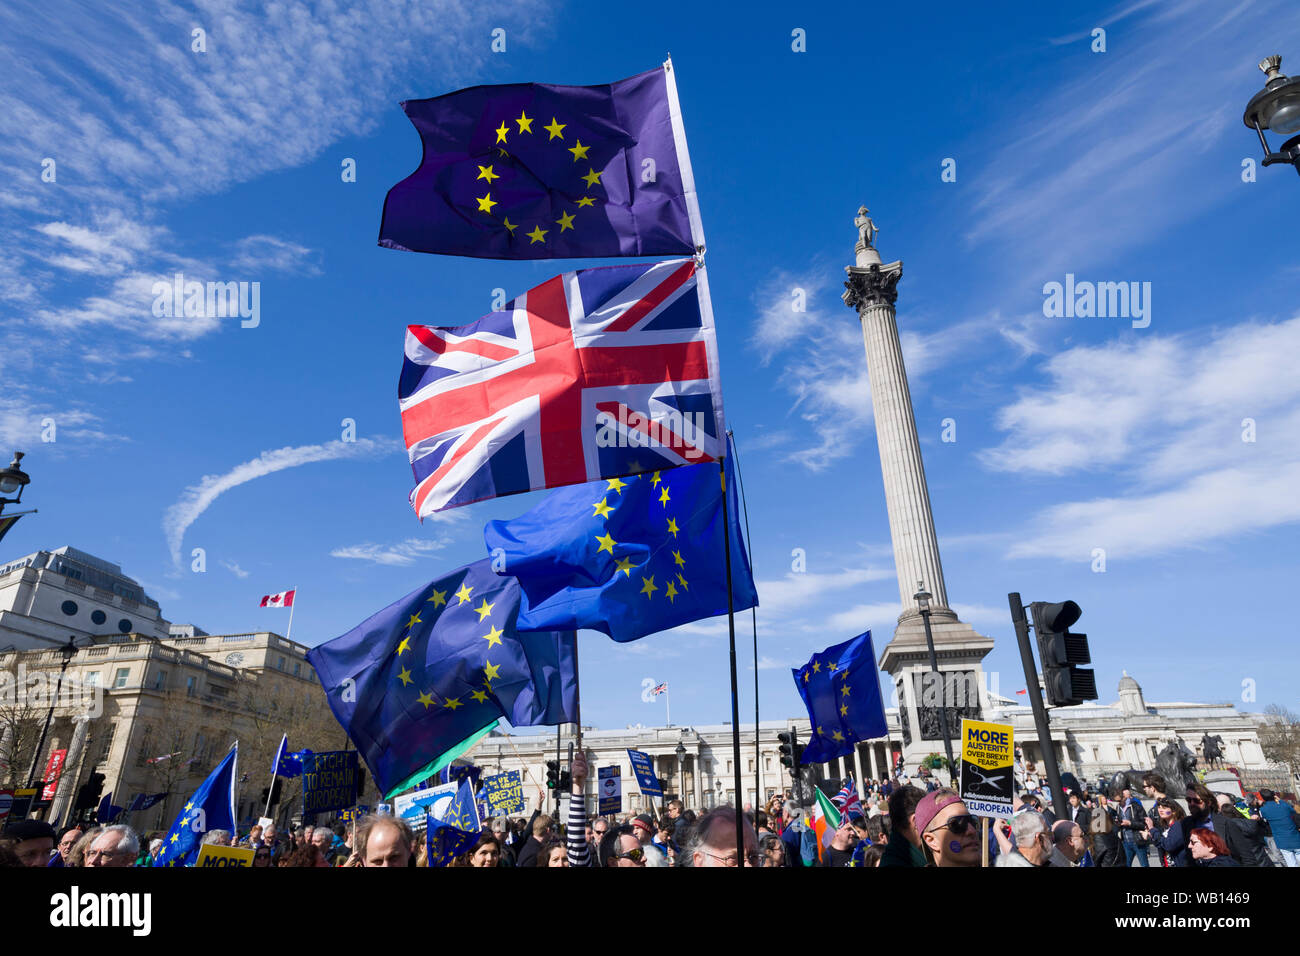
x=283, y=599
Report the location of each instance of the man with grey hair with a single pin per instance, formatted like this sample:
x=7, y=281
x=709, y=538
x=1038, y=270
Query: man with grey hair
x=714, y=841
x=1033, y=845
x=1069, y=844
x=116, y=845
x=217, y=838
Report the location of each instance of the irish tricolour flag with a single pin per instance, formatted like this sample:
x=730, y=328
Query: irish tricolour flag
x=825, y=820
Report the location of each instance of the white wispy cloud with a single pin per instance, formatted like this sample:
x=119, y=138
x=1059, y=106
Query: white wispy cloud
x=397, y=555
x=260, y=254
x=199, y=497
x=1164, y=417
x=235, y=569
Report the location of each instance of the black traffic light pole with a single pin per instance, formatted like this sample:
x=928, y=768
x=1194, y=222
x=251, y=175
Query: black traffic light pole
x=1048, y=748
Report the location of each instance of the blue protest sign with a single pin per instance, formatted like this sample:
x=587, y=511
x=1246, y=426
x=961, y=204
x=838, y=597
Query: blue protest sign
x=610, y=792
x=504, y=793
x=645, y=773
x=329, y=781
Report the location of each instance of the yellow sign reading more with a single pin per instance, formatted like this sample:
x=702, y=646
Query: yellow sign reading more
x=227, y=856
x=987, y=762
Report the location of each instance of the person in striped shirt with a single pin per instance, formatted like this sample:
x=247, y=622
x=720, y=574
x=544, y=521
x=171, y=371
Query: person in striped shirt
x=619, y=846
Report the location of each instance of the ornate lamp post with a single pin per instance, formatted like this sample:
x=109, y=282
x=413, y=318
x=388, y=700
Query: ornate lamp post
x=68, y=651
x=1276, y=107
x=681, y=770
x=13, y=479
x=922, y=597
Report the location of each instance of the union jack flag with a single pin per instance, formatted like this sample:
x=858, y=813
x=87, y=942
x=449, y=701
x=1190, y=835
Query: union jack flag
x=661, y=689
x=593, y=374
x=847, y=799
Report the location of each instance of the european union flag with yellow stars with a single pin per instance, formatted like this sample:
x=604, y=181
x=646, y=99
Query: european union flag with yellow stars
x=457, y=831
x=417, y=683
x=537, y=171
x=841, y=689
x=627, y=556
x=211, y=807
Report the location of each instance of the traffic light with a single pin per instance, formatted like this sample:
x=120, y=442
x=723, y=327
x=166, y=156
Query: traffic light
x=566, y=781
x=88, y=794
x=1061, y=652
x=552, y=774
x=791, y=752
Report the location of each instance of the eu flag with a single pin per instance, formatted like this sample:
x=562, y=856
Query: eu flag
x=440, y=667
x=537, y=171
x=627, y=556
x=841, y=689
x=212, y=807
x=457, y=831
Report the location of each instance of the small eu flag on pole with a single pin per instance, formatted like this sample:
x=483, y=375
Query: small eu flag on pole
x=212, y=807
x=840, y=686
x=457, y=831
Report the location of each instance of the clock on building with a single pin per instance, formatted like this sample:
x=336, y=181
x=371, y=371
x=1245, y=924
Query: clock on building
x=234, y=658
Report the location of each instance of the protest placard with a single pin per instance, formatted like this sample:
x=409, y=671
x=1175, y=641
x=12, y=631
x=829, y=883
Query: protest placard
x=645, y=773
x=225, y=856
x=504, y=793
x=987, y=756
x=611, y=790
x=329, y=781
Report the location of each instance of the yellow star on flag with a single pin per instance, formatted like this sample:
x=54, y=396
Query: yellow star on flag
x=484, y=609
x=175, y=837
x=591, y=178
x=453, y=703
x=579, y=151
x=565, y=221
x=672, y=527
x=415, y=619
x=485, y=172
x=670, y=592
x=685, y=586
x=624, y=565
x=832, y=666
x=511, y=226
x=490, y=670
x=464, y=593
x=485, y=203
x=404, y=676
x=844, y=690
x=663, y=497
x=838, y=736
x=603, y=509
x=190, y=805
x=555, y=129
x=501, y=132
x=479, y=696
x=438, y=599
x=616, y=484
x=844, y=710
x=805, y=677
x=426, y=699
x=648, y=587
x=817, y=667
x=493, y=636
x=677, y=557
x=586, y=201
x=537, y=235
x=655, y=479
x=525, y=122
x=607, y=543
x=404, y=646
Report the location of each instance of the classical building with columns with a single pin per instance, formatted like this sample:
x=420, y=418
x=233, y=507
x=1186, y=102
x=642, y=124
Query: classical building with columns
x=1092, y=740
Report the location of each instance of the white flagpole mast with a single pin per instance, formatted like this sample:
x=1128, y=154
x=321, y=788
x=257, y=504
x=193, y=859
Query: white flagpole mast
x=289, y=634
x=668, y=707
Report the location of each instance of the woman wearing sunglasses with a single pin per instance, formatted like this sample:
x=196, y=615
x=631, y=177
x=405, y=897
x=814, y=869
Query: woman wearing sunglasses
x=949, y=834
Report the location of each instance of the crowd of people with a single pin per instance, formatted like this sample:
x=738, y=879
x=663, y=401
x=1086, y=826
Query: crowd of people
x=898, y=824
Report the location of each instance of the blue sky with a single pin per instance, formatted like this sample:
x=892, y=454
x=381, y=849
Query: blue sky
x=1072, y=434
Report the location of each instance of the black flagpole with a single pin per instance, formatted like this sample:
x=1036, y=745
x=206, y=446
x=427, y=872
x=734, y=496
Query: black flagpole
x=758, y=737
x=735, y=696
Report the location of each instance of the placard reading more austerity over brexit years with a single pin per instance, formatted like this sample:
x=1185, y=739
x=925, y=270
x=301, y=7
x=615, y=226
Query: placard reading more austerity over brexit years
x=987, y=756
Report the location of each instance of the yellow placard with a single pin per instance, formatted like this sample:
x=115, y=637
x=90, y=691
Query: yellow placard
x=226, y=856
x=988, y=755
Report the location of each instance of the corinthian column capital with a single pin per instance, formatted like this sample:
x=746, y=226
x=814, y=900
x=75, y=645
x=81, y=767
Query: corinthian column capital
x=872, y=285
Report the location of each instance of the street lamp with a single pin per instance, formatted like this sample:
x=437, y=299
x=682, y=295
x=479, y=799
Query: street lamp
x=922, y=597
x=68, y=651
x=1276, y=107
x=12, y=479
x=681, y=769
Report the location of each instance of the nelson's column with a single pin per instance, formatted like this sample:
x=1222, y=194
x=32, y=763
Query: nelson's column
x=872, y=289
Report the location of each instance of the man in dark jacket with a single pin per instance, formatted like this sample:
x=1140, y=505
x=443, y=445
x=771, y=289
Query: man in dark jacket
x=540, y=824
x=1245, y=837
x=904, y=846
x=1132, y=825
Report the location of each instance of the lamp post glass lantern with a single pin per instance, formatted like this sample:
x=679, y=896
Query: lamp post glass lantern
x=922, y=598
x=13, y=479
x=1277, y=108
